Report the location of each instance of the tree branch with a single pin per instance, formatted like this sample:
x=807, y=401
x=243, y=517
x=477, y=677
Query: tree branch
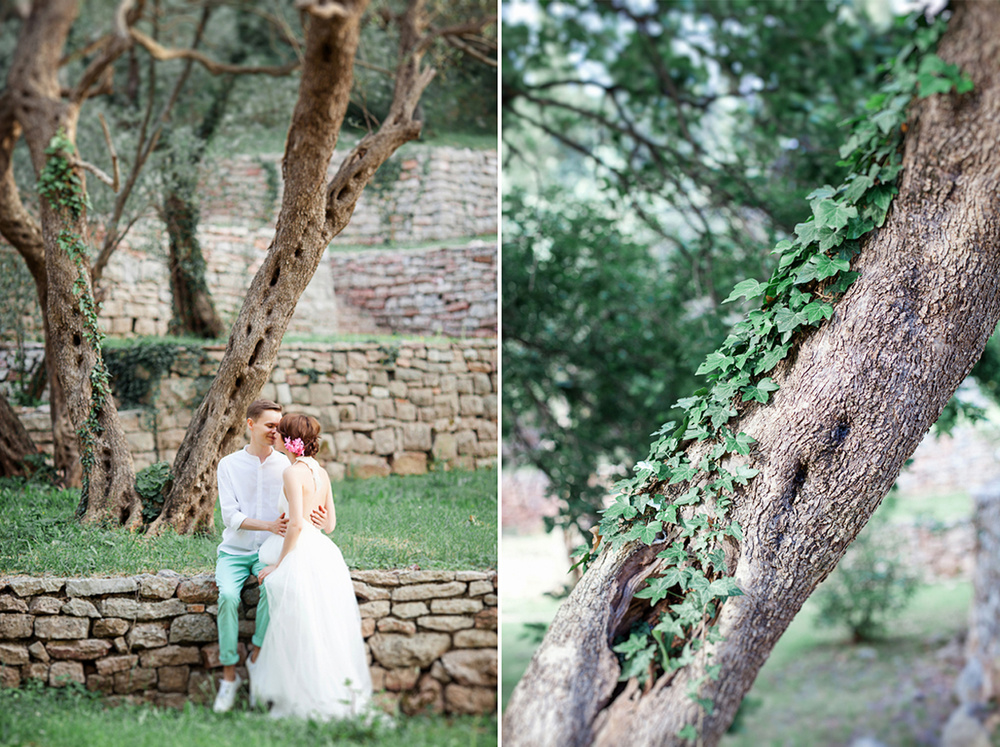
x=159, y=52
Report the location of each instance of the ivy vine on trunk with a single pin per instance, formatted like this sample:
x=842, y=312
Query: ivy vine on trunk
x=813, y=406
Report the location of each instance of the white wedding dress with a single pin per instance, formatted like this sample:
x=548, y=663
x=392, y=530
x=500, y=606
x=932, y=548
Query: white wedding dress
x=312, y=663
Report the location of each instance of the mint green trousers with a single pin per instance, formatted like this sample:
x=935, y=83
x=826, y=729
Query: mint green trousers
x=231, y=572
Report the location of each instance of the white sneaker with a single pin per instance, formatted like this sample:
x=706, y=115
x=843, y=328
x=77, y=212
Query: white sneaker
x=226, y=696
x=251, y=671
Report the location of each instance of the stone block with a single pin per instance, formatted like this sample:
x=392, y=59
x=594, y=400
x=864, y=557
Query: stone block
x=10, y=678
x=394, y=625
x=336, y=471
x=393, y=651
x=172, y=679
x=130, y=609
x=111, y=664
x=344, y=441
x=147, y=635
x=376, y=609
x=101, y=683
x=384, y=441
x=10, y=603
x=193, y=629
x=63, y=672
x=409, y=463
x=170, y=656
x=465, y=441
x=477, y=588
x=409, y=610
x=423, y=577
x=320, y=394
x=401, y=679
x=45, y=606
x=475, y=639
x=364, y=466
x=110, y=627
x=15, y=625
x=445, y=447
x=134, y=680
x=61, y=628
x=89, y=587
x=13, y=654
x=369, y=593
x=37, y=670
x=469, y=700
x=416, y=437
x=158, y=587
x=27, y=586
x=455, y=606
x=37, y=650
x=201, y=588
x=472, y=666
x=471, y=576
x=362, y=444
x=406, y=412
x=367, y=627
x=428, y=591
x=445, y=623
x=82, y=650
x=79, y=608
x=377, y=577
x=201, y=687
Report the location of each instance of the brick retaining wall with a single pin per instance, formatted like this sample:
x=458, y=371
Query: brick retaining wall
x=430, y=636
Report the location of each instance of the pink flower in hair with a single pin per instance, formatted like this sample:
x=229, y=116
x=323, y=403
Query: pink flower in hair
x=295, y=447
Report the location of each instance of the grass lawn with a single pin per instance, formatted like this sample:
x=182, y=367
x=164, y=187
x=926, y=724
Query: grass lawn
x=72, y=718
x=444, y=520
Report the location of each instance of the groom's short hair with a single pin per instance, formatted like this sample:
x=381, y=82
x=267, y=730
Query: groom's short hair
x=261, y=405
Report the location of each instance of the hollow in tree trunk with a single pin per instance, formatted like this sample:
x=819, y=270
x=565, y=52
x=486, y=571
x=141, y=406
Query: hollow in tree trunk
x=856, y=398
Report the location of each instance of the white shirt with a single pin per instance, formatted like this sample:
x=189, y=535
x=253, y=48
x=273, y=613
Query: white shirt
x=248, y=489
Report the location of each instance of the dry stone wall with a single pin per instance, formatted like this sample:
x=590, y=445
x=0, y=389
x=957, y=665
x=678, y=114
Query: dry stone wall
x=439, y=291
x=430, y=636
x=428, y=194
x=385, y=408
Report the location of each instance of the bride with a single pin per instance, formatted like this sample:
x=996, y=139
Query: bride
x=312, y=663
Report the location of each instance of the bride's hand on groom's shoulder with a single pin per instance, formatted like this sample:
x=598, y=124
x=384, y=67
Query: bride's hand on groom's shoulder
x=265, y=572
x=279, y=525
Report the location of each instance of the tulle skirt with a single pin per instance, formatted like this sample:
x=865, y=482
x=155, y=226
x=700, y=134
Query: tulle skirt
x=312, y=663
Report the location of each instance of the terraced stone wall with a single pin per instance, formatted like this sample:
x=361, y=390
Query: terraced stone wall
x=430, y=636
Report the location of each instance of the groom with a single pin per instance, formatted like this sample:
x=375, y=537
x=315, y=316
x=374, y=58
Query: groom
x=250, y=485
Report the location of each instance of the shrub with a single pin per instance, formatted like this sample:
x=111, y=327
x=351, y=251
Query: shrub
x=152, y=484
x=869, y=586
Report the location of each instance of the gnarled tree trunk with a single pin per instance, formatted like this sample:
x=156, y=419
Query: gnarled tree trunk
x=25, y=235
x=312, y=213
x=855, y=400
x=33, y=94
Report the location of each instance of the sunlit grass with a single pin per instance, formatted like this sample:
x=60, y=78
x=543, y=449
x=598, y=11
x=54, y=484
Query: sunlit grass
x=72, y=718
x=442, y=520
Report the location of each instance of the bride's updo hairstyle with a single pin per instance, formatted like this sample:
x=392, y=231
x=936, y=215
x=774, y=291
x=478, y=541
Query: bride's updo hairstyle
x=296, y=425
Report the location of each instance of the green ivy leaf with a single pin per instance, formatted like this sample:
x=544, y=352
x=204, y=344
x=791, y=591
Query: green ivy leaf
x=750, y=288
x=761, y=391
x=817, y=310
x=833, y=214
x=714, y=361
x=620, y=508
x=645, y=533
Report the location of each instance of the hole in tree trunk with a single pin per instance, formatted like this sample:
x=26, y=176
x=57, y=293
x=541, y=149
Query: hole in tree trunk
x=255, y=353
x=77, y=339
x=239, y=382
x=249, y=329
x=298, y=252
x=275, y=276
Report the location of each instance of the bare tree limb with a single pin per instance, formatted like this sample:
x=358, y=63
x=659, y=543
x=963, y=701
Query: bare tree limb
x=159, y=52
x=463, y=46
x=111, y=150
x=96, y=171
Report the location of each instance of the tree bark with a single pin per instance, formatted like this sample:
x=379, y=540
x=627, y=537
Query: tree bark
x=856, y=398
x=193, y=309
x=33, y=92
x=15, y=442
x=310, y=216
x=23, y=232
